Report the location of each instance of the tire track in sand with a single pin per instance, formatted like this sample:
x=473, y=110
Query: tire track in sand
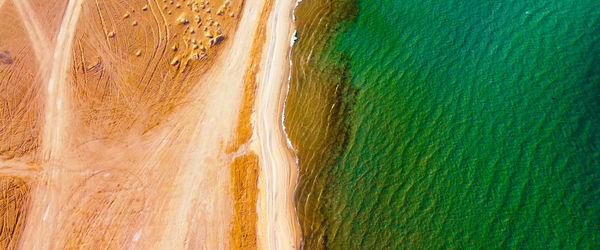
x=41, y=224
x=58, y=75
x=39, y=41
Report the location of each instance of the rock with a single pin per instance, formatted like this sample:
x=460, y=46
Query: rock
x=217, y=40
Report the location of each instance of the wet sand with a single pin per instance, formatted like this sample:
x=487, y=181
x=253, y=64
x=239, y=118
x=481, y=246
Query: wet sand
x=281, y=229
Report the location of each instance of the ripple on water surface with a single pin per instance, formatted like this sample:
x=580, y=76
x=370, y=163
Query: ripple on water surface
x=447, y=124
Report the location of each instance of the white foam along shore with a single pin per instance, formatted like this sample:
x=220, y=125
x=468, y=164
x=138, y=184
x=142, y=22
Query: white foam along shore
x=277, y=158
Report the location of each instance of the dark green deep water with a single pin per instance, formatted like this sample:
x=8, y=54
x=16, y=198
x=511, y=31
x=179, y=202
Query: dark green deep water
x=447, y=124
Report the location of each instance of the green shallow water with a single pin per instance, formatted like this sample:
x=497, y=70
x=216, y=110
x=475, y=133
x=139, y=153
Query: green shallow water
x=447, y=124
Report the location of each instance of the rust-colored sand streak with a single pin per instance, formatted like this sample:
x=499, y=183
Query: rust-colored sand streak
x=244, y=169
x=14, y=199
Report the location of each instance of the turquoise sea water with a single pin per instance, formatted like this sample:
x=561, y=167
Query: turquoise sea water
x=454, y=123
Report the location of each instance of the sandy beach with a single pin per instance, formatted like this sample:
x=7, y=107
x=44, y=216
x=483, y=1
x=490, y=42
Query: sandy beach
x=277, y=161
x=139, y=109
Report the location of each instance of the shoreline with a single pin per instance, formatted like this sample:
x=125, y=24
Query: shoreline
x=278, y=222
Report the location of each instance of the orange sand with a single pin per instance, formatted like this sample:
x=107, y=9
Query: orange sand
x=14, y=200
x=113, y=115
x=244, y=169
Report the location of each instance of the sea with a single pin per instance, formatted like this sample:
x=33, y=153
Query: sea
x=446, y=123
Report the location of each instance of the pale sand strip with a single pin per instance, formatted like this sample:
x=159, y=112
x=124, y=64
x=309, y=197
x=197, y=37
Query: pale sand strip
x=277, y=214
x=38, y=233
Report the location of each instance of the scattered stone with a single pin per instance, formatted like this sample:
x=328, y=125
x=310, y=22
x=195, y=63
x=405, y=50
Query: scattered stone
x=127, y=14
x=111, y=34
x=208, y=34
x=174, y=47
x=182, y=20
x=231, y=14
x=138, y=52
x=135, y=23
x=145, y=8
x=175, y=61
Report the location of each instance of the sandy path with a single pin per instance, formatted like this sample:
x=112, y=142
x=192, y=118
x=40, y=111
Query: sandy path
x=39, y=232
x=277, y=162
x=39, y=41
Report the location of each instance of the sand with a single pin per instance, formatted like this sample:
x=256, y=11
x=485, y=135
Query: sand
x=125, y=125
x=280, y=226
